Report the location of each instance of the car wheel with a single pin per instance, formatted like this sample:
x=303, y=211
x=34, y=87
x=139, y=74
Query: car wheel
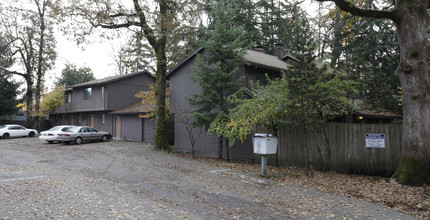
x=5, y=136
x=31, y=134
x=50, y=142
x=78, y=140
x=104, y=138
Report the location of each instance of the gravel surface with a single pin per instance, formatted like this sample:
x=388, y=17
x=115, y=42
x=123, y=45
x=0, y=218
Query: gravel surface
x=129, y=180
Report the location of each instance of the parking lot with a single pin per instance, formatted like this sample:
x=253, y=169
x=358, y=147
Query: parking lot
x=130, y=180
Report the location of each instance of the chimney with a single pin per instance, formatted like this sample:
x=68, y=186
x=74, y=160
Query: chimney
x=259, y=48
x=278, y=50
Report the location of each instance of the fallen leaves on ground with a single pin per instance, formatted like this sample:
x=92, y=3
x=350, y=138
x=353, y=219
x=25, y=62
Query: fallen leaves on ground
x=414, y=200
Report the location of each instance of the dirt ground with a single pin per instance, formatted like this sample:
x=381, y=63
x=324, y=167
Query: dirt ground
x=414, y=200
x=132, y=180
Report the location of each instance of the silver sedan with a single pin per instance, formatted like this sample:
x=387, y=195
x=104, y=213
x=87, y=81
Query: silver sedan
x=81, y=134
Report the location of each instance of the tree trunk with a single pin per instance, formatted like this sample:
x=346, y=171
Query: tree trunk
x=40, y=69
x=227, y=151
x=337, y=44
x=413, y=72
x=29, y=99
x=220, y=138
x=161, y=140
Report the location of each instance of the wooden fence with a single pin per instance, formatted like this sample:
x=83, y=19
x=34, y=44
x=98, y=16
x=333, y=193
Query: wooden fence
x=342, y=147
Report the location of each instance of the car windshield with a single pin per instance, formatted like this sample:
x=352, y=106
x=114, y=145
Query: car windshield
x=2, y=126
x=71, y=129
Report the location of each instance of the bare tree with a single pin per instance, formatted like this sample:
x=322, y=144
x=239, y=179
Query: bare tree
x=183, y=116
x=29, y=33
x=158, y=22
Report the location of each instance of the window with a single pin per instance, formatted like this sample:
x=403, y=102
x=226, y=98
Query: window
x=92, y=130
x=103, y=94
x=261, y=79
x=87, y=93
x=68, y=98
x=16, y=128
x=102, y=118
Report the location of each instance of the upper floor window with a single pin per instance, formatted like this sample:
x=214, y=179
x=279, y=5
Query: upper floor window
x=68, y=98
x=103, y=93
x=88, y=93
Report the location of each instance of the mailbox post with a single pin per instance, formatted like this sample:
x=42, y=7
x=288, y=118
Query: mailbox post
x=264, y=144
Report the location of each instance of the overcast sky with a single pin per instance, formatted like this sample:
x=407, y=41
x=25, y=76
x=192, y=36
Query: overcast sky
x=97, y=55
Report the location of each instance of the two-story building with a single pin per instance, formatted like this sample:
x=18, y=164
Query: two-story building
x=94, y=103
x=256, y=63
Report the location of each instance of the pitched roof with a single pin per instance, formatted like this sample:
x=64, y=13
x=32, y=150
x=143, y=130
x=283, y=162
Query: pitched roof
x=366, y=110
x=136, y=108
x=264, y=60
x=251, y=58
x=109, y=79
x=184, y=61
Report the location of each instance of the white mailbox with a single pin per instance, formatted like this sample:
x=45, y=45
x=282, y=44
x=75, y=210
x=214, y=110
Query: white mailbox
x=264, y=144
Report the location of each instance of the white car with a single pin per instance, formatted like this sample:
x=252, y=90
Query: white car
x=7, y=131
x=51, y=135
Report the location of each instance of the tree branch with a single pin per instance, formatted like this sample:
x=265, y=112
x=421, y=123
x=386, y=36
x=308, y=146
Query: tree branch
x=116, y=26
x=354, y=10
x=13, y=72
x=149, y=33
x=123, y=15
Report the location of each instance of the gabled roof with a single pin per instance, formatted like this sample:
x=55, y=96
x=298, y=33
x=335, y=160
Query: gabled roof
x=251, y=58
x=264, y=60
x=184, y=61
x=110, y=79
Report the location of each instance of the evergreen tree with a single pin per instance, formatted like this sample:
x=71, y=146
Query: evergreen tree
x=217, y=68
x=411, y=19
x=8, y=97
x=5, y=56
x=71, y=75
x=8, y=89
x=371, y=58
x=366, y=49
x=306, y=97
x=280, y=22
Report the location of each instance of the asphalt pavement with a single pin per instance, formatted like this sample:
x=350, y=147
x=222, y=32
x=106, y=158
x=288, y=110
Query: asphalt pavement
x=131, y=180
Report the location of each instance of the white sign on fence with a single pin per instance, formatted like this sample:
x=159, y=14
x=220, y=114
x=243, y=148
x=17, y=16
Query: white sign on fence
x=375, y=140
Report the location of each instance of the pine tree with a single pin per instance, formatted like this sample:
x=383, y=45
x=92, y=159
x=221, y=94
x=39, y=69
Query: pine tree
x=217, y=68
x=8, y=97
